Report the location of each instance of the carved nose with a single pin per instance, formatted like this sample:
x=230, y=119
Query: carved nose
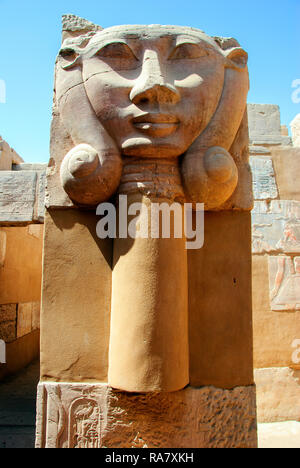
x=151, y=86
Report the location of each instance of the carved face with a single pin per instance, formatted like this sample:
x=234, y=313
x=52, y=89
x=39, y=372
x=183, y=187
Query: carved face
x=153, y=88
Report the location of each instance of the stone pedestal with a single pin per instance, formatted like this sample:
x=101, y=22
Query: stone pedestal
x=95, y=416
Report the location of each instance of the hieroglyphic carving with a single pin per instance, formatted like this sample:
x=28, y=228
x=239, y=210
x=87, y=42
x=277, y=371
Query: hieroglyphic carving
x=264, y=183
x=69, y=415
x=84, y=424
x=276, y=227
x=284, y=277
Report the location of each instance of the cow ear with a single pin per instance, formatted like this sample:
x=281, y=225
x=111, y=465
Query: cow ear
x=237, y=58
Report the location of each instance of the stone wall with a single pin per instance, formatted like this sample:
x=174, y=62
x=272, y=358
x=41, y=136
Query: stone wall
x=21, y=241
x=275, y=166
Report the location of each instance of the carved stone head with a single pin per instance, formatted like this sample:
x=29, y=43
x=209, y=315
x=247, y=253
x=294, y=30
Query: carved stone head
x=149, y=92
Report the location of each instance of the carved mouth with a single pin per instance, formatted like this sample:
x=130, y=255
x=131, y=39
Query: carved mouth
x=156, y=125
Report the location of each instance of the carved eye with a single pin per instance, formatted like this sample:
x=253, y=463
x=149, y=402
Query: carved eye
x=188, y=51
x=117, y=50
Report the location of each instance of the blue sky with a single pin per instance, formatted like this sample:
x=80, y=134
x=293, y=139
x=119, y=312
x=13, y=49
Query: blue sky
x=30, y=37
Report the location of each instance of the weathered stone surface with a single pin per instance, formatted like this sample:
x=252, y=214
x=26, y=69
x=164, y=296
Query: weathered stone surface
x=8, y=331
x=8, y=156
x=41, y=197
x=24, y=319
x=8, y=312
x=259, y=150
x=73, y=23
x=295, y=128
x=286, y=161
x=284, y=278
x=278, y=394
x=30, y=167
x=28, y=318
x=35, y=316
x=264, y=183
x=22, y=196
x=94, y=416
x=17, y=196
x=276, y=228
x=264, y=125
x=264, y=119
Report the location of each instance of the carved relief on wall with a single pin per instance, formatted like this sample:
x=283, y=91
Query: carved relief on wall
x=276, y=227
x=69, y=415
x=84, y=424
x=284, y=277
x=264, y=182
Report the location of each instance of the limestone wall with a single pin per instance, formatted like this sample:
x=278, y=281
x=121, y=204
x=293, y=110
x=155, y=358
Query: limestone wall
x=21, y=242
x=275, y=166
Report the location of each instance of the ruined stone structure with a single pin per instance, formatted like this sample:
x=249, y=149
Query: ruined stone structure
x=145, y=343
x=21, y=233
x=275, y=165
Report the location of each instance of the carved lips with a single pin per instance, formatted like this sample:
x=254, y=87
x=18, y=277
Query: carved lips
x=156, y=125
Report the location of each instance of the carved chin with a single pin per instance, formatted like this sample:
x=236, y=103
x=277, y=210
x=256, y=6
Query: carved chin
x=144, y=147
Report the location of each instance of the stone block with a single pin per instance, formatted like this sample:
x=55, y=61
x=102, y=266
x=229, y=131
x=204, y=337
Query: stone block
x=95, y=416
x=8, y=156
x=264, y=182
x=286, y=161
x=265, y=126
x=8, y=331
x=8, y=312
x=30, y=167
x=278, y=394
x=24, y=319
x=276, y=228
x=35, y=318
x=17, y=196
x=264, y=119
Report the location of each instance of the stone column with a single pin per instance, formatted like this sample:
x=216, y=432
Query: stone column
x=149, y=318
